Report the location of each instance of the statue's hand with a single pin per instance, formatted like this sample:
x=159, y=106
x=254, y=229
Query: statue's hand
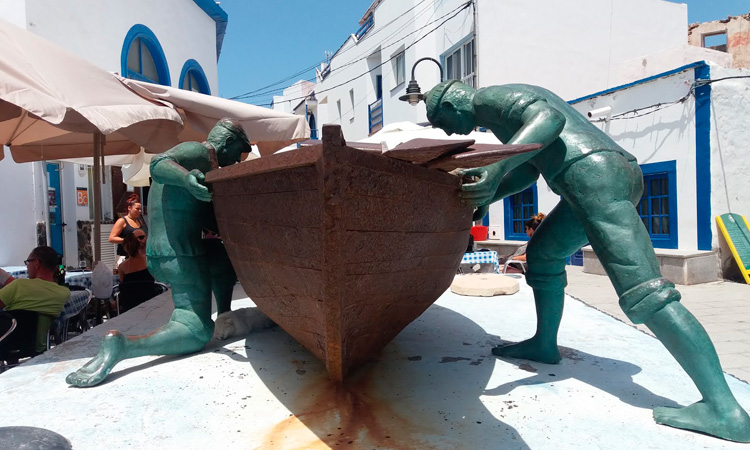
x=194, y=184
x=479, y=192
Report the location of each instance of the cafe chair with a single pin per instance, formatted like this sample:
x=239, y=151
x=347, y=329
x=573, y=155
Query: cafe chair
x=101, y=288
x=75, y=308
x=521, y=264
x=30, y=337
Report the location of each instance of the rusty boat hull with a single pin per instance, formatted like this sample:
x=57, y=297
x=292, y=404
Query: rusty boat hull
x=341, y=247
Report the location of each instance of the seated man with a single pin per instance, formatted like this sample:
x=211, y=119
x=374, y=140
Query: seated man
x=25, y=299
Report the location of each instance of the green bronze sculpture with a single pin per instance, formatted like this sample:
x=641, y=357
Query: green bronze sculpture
x=599, y=183
x=181, y=213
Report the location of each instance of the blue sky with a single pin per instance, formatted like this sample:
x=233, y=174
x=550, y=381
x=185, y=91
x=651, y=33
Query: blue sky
x=271, y=40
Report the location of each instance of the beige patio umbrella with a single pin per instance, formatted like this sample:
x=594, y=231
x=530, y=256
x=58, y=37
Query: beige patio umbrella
x=268, y=129
x=56, y=105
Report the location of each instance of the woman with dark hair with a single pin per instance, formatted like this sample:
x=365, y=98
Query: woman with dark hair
x=26, y=299
x=128, y=223
x=529, y=227
x=136, y=283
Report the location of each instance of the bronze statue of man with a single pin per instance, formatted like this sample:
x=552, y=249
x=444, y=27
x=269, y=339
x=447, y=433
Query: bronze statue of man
x=180, y=212
x=599, y=184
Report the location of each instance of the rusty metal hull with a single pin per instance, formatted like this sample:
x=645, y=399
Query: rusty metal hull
x=341, y=248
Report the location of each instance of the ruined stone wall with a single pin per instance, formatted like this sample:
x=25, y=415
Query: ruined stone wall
x=737, y=30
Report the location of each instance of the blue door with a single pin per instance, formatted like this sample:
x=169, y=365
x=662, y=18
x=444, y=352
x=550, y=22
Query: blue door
x=54, y=203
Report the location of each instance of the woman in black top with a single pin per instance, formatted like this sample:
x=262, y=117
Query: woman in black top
x=128, y=223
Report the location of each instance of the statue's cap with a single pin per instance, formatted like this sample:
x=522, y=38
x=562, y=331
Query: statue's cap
x=434, y=97
x=235, y=127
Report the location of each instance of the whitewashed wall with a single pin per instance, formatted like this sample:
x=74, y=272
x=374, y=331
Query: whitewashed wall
x=574, y=47
x=665, y=135
x=666, y=60
x=357, y=57
x=13, y=11
x=730, y=144
x=19, y=218
x=96, y=30
x=292, y=96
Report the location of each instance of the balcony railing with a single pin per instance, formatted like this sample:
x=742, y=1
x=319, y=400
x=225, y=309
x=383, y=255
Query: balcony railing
x=376, y=115
x=364, y=28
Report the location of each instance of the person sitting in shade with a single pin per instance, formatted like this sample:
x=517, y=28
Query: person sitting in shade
x=529, y=227
x=136, y=282
x=25, y=299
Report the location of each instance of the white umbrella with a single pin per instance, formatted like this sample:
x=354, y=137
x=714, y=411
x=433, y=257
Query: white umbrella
x=56, y=105
x=268, y=129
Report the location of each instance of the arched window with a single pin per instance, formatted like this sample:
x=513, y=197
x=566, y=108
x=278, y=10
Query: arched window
x=192, y=78
x=142, y=57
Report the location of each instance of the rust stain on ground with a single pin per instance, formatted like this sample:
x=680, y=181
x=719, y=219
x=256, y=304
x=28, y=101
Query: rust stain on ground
x=343, y=416
x=448, y=359
x=570, y=354
x=527, y=367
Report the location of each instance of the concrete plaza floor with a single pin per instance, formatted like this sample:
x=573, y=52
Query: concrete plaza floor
x=435, y=386
x=723, y=307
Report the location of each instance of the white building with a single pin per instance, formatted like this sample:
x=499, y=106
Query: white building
x=570, y=48
x=170, y=42
x=297, y=99
x=631, y=53
x=688, y=130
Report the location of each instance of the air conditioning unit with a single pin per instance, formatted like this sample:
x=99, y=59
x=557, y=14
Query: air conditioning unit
x=109, y=250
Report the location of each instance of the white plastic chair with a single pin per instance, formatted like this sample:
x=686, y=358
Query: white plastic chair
x=101, y=286
x=522, y=264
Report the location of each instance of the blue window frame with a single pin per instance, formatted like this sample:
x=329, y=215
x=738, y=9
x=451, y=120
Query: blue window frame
x=518, y=209
x=192, y=78
x=142, y=57
x=658, y=206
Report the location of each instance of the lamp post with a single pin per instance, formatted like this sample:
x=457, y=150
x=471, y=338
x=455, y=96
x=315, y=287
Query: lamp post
x=413, y=93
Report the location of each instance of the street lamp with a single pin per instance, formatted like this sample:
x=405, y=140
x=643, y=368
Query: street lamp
x=413, y=93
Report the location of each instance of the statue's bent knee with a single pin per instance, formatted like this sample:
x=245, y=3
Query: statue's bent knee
x=546, y=281
x=200, y=330
x=641, y=302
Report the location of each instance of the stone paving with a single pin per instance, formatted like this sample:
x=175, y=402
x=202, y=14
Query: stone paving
x=723, y=307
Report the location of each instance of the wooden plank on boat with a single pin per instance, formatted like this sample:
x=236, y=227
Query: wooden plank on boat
x=420, y=151
x=480, y=155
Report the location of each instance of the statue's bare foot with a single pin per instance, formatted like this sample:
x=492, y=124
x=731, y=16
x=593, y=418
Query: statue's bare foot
x=730, y=422
x=531, y=349
x=95, y=371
